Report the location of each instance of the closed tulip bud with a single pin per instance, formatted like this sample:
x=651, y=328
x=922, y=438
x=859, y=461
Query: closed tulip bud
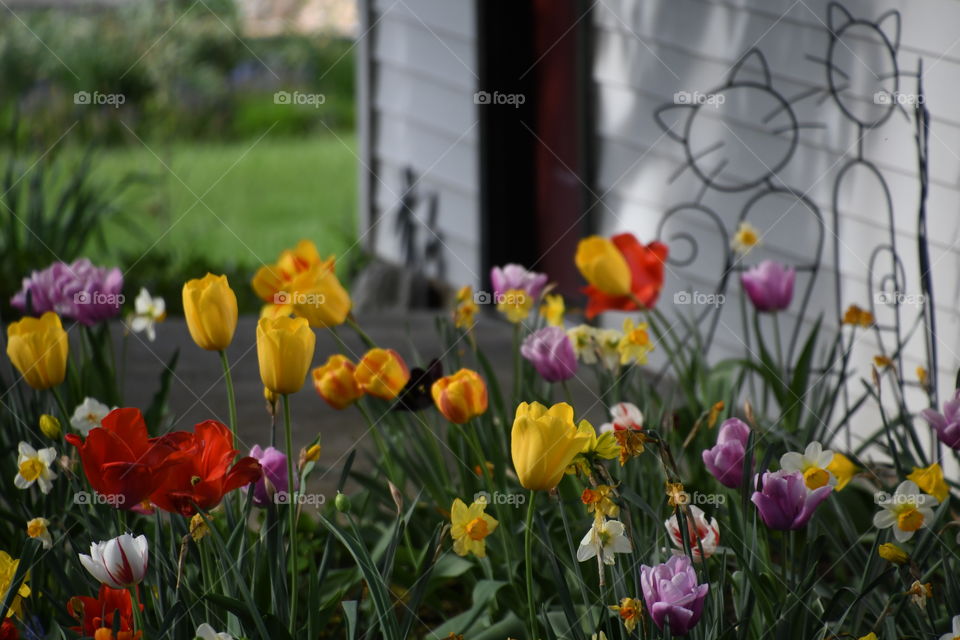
x=38, y=348
x=603, y=266
x=210, y=307
x=382, y=373
x=118, y=563
x=50, y=426
x=310, y=454
x=335, y=382
x=318, y=296
x=342, y=503
x=285, y=350
x=460, y=396
x=543, y=443
x=892, y=553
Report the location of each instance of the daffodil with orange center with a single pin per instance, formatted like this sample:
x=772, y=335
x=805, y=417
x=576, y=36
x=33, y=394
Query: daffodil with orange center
x=470, y=527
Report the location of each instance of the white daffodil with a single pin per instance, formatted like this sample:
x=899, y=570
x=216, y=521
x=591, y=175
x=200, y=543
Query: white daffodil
x=907, y=511
x=604, y=539
x=39, y=528
x=745, y=239
x=624, y=416
x=955, y=633
x=812, y=463
x=88, y=415
x=206, y=632
x=701, y=528
x=118, y=563
x=147, y=312
x=582, y=339
x=34, y=467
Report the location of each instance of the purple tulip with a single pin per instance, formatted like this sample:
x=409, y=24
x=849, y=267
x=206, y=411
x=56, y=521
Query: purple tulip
x=78, y=291
x=947, y=423
x=725, y=459
x=514, y=276
x=274, y=464
x=784, y=502
x=769, y=285
x=673, y=595
x=551, y=353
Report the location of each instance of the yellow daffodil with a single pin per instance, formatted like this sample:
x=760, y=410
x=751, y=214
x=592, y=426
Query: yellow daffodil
x=602, y=445
x=465, y=313
x=210, y=308
x=858, y=317
x=515, y=304
x=470, y=527
x=553, y=309
x=8, y=569
x=630, y=611
x=38, y=348
x=635, y=343
x=598, y=500
x=39, y=528
x=843, y=469
x=631, y=442
x=746, y=238
x=892, y=553
x=922, y=377
x=543, y=443
x=930, y=479
x=676, y=495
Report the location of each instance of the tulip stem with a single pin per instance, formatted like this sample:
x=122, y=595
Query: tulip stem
x=291, y=512
x=137, y=614
x=367, y=340
x=63, y=409
x=528, y=561
x=231, y=396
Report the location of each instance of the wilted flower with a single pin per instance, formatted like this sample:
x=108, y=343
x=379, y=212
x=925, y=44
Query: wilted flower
x=512, y=278
x=119, y=563
x=906, y=511
x=33, y=466
x=746, y=238
x=39, y=528
x=631, y=442
x=604, y=539
x=199, y=528
x=769, y=285
x=812, y=463
x=79, y=291
x=699, y=528
x=630, y=611
x=550, y=351
x=88, y=415
x=470, y=527
x=725, y=459
x=673, y=594
x=919, y=592
x=147, y=312
x=784, y=501
x=930, y=479
x=947, y=424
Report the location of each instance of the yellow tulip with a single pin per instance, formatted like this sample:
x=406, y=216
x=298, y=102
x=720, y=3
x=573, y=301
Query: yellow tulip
x=460, y=396
x=285, y=350
x=38, y=348
x=210, y=306
x=335, y=382
x=603, y=266
x=843, y=469
x=543, y=443
x=382, y=373
x=318, y=296
x=930, y=480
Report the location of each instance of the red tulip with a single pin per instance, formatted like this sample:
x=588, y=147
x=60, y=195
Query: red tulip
x=200, y=471
x=102, y=613
x=120, y=461
x=646, y=263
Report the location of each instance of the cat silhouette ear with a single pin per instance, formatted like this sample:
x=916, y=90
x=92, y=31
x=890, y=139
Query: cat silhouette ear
x=755, y=58
x=837, y=17
x=673, y=119
x=892, y=27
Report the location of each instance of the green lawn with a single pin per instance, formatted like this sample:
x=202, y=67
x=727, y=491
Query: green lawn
x=255, y=198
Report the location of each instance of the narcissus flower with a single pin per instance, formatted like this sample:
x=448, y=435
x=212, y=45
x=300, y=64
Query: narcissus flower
x=599, y=500
x=843, y=468
x=119, y=563
x=907, y=511
x=147, y=312
x=210, y=308
x=599, y=445
x=470, y=527
x=543, y=443
x=515, y=304
x=784, y=501
x=813, y=463
x=923, y=377
x=38, y=348
x=955, y=626
x=33, y=466
x=466, y=309
x=632, y=443
x=111, y=609
x=745, y=239
x=930, y=479
x=630, y=611
x=461, y=396
x=334, y=382
x=206, y=632
x=769, y=285
x=892, y=553
x=39, y=528
x=946, y=424
x=8, y=570
x=858, y=317
x=550, y=352
x=635, y=343
x=622, y=273
x=725, y=460
x=515, y=277
x=673, y=594
x=88, y=415
x=699, y=528
x=553, y=309
x=382, y=373
x=604, y=539
x=285, y=349
x=919, y=593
